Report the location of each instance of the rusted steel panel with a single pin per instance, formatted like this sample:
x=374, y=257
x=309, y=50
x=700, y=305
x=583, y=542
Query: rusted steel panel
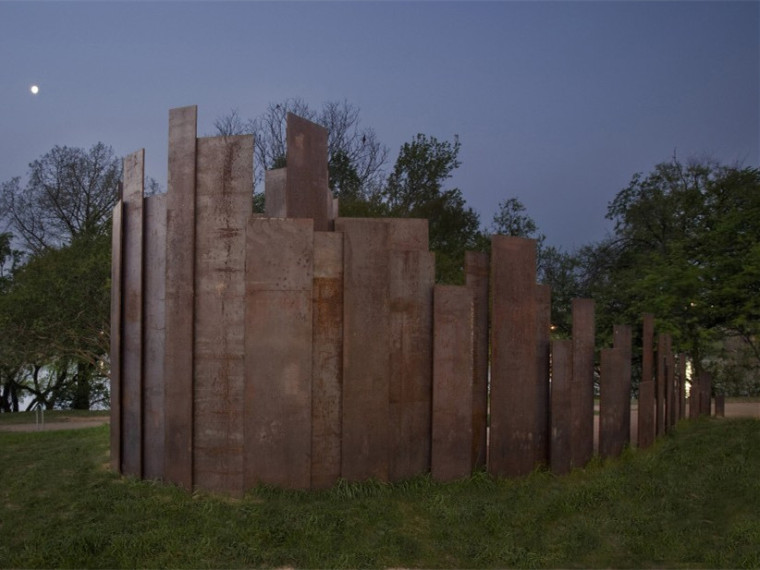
x=116, y=324
x=670, y=377
x=661, y=381
x=180, y=294
x=543, y=331
x=154, y=279
x=366, y=346
x=720, y=405
x=132, y=331
x=623, y=339
x=279, y=327
x=646, y=415
x=412, y=276
x=274, y=193
x=705, y=393
x=681, y=385
x=561, y=402
x=647, y=347
x=476, y=269
x=327, y=359
x=582, y=438
x=513, y=376
x=453, y=349
x=223, y=206
x=307, y=192
x=614, y=400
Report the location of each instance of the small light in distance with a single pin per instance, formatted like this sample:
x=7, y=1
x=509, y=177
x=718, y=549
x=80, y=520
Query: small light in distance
x=34, y=89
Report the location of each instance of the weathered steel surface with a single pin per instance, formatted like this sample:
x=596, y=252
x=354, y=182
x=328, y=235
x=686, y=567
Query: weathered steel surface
x=154, y=279
x=582, y=439
x=681, y=385
x=412, y=276
x=279, y=325
x=368, y=243
x=705, y=393
x=561, y=402
x=132, y=331
x=307, y=193
x=476, y=278
x=275, y=205
x=223, y=207
x=453, y=349
x=646, y=417
x=327, y=359
x=366, y=345
x=660, y=383
x=670, y=386
x=623, y=339
x=513, y=368
x=613, y=401
x=720, y=405
x=646, y=411
x=180, y=293
x=116, y=300
x=543, y=331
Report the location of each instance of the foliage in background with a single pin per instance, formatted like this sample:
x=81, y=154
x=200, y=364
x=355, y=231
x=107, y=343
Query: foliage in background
x=54, y=308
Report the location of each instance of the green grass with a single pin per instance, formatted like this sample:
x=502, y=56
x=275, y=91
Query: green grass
x=692, y=500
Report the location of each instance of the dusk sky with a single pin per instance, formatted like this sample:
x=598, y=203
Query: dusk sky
x=555, y=103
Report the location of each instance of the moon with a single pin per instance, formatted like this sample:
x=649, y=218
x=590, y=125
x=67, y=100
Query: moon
x=34, y=89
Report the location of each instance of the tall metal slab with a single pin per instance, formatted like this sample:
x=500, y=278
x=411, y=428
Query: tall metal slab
x=646, y=404
x=583, y=331
x=670, y=379
x=154, y=322
x=623, y=339
x=682, y=385
x=543, y=347
x=223, y=206
x=307, y=192
x=366, y=346
x=614, y=399
x=661, y=381
x=327, y=359
x=180, y=295
x=275, y=205
x=453, y=349
x=412, y=276
x=705, y=393
x=513, y=368
x=476, y=270
x=116, y=324
x=279, y=325
x=132, y=331
x=561, y=402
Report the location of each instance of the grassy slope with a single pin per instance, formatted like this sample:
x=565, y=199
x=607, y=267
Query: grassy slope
x=693, y=500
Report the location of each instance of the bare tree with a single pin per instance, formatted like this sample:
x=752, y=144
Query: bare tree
x=349, y=144
x=70, y=192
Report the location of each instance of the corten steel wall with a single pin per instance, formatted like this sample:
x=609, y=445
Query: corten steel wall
x=297, y=348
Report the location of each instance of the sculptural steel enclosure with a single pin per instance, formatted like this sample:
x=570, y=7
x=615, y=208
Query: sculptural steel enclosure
x=297, y=347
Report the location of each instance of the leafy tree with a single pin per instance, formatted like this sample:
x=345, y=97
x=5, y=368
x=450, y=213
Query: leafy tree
x=54, y=317
x=687, y=248
x=415, y=189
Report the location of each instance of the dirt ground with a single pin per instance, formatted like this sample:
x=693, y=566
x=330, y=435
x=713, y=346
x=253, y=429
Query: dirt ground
x=62, y=422
x=733, y=410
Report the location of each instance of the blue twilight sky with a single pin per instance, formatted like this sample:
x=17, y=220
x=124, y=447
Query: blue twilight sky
x=556, y=103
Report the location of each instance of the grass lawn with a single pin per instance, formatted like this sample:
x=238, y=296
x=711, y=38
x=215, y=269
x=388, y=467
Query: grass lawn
x=692, y=500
